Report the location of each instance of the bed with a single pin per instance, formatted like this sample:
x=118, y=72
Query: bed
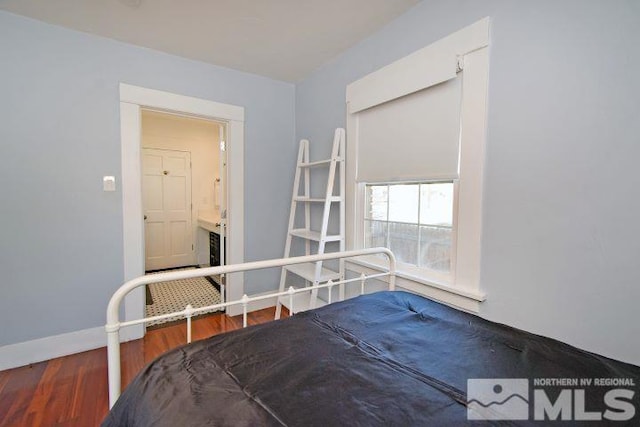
x=387, y=358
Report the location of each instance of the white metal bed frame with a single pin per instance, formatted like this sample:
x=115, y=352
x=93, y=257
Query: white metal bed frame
x=114, y=324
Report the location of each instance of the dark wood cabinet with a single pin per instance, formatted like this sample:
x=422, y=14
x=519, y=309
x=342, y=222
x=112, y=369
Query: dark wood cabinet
x=214, y=249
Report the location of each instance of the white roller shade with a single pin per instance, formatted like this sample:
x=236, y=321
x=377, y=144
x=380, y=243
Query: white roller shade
x=414, y=137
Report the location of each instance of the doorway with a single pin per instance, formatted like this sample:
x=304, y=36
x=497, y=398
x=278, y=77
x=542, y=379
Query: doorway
x=182, y=176
x=133, y=100
x=183, y=179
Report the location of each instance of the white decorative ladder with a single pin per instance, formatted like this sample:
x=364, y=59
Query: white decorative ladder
x=315, y=273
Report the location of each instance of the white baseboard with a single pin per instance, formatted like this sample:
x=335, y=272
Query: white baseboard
x=38, y=350
x=265, y=303
x=41, y=349
x=253, y=305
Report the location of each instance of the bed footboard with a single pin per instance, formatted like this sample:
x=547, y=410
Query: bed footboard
x=114, y=324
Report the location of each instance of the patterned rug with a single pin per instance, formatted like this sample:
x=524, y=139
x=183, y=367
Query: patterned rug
x=176, y=294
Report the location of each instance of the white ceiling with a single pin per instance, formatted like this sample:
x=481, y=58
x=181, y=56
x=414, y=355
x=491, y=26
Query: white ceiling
x=282, y=39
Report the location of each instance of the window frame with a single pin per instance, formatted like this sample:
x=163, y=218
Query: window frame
x=465, y=51
x=414, y=269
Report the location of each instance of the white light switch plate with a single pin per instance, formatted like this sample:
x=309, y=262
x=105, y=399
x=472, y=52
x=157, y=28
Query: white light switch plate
x=109, y=183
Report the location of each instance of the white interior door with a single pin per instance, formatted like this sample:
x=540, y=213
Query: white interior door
x=166, y=194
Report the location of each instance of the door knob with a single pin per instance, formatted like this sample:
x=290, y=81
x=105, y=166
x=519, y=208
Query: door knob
x=166, y=172
x=145, y=217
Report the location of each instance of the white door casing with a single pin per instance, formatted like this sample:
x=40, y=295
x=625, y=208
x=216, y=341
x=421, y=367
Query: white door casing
x=132, y=99
x=223, y=191
x=166, y=195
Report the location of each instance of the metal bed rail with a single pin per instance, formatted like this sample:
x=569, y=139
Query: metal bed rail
x=114, y=324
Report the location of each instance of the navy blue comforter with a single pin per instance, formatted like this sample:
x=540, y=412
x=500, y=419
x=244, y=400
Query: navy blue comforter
x=389, y=358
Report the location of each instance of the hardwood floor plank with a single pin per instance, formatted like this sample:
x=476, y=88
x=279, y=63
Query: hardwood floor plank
x=4, y=378
x=50, y=389
x=18, y=392
x=73, y=390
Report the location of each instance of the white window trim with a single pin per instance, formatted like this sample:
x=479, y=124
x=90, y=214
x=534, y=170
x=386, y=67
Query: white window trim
x=460, y=298
x=466, y=49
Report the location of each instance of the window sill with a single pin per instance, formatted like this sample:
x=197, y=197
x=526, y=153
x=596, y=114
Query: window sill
x=465, y=299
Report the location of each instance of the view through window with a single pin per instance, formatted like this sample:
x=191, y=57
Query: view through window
x=413, y=220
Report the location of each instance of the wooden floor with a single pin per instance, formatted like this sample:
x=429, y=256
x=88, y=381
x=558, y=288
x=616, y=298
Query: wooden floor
x=72, y=390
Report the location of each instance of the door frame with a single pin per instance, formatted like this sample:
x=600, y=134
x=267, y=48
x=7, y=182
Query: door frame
x=132, y=100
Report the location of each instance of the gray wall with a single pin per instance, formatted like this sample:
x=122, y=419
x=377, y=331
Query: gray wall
x=560, y=226
x=560, y=216
x=61, y=251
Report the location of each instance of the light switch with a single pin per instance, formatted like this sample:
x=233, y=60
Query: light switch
x=109, y=183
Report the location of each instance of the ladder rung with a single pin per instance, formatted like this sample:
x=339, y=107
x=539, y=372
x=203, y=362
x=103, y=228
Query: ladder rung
x=308, y=272
x=313, y=235
x=301, y=301
x=318, y=163
x=316, y=200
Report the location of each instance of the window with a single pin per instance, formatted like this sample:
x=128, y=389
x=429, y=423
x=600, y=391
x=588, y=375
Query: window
x=408, y=159
x=416, y=132
x=414, y=220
